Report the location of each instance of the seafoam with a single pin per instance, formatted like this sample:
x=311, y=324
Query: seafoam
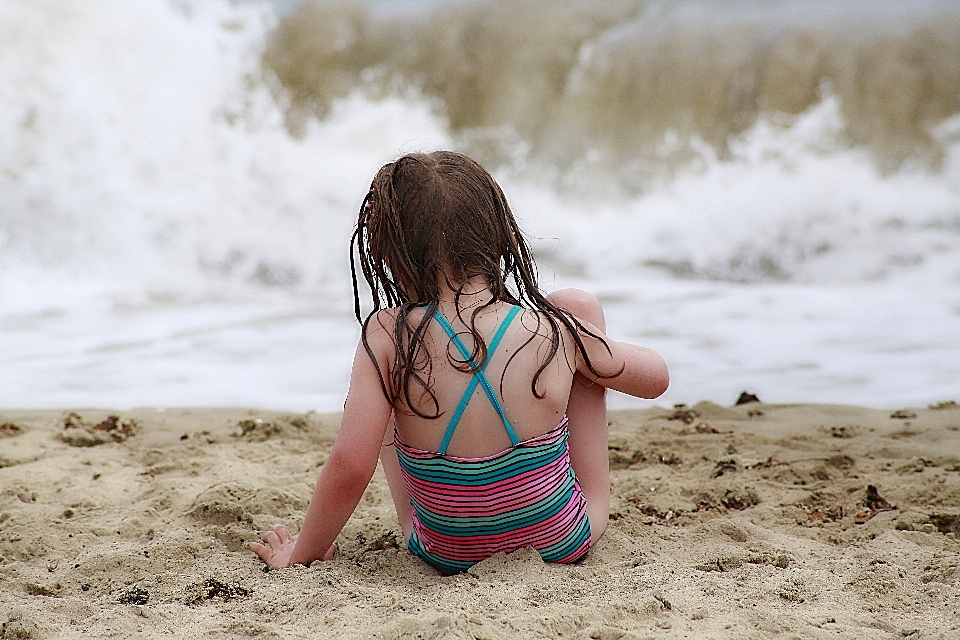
x=165, y=239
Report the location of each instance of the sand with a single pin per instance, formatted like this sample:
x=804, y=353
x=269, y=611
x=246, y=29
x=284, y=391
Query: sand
x=755, y=521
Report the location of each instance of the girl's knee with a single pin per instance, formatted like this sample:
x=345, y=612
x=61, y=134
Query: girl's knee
x=581, y=304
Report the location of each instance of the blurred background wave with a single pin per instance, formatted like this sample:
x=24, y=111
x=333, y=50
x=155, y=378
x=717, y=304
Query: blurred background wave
x=765, y=191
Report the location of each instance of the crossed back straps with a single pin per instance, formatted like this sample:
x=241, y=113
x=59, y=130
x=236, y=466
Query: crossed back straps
x=478, y=378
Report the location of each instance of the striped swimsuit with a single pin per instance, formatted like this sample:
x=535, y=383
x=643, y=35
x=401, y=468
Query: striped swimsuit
x=467, y=509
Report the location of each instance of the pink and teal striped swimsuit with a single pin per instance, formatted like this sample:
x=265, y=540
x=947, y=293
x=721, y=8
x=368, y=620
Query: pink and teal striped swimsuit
x=467, y=509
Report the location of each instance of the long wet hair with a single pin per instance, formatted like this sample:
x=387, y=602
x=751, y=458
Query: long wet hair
x=441, y=219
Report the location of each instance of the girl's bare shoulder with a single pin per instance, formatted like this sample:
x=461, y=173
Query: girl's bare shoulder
x=381, y=327
x=544, y=330
x=540, y=324
x=380, y=321
x=379, y=330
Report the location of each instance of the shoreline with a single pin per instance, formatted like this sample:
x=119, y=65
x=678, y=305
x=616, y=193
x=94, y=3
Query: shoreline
x=727, y=522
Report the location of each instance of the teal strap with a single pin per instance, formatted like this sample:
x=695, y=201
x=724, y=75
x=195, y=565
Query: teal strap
x=478, y=378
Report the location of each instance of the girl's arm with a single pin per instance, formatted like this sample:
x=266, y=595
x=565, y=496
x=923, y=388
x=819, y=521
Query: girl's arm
x=642, y=372
x=346, y=473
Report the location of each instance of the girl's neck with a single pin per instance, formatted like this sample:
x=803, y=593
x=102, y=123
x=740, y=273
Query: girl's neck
x=474, y=293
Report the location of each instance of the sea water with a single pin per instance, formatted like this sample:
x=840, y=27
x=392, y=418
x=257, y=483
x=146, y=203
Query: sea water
x=765, y=192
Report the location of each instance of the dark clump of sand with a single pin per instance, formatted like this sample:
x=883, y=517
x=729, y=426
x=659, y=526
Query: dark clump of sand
x=752, y=521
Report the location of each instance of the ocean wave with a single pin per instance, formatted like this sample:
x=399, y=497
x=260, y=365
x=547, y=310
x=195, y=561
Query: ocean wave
x=145, y=147
x=764, y=192
x=607, y=83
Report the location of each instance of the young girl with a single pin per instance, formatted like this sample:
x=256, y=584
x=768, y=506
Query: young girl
x=482, y=397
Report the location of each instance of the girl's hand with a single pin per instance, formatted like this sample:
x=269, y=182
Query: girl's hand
x=279, y=548
x=276, y=553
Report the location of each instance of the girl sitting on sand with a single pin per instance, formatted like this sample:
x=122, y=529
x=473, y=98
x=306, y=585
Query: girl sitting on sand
x=482, y=397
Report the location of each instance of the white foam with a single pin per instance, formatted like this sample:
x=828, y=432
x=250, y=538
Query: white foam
x=166, y=242
x=142, y=159
x=790, y=204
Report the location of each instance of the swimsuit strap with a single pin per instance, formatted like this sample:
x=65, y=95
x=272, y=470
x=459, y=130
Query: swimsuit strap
x=478, y=377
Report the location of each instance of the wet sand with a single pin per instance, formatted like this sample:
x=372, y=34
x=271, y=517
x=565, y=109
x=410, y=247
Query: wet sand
x=755, y=521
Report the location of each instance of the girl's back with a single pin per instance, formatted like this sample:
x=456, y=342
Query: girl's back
x=499, y=476
x=510, y=371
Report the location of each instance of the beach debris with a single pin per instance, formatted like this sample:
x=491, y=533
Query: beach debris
x=876, y=502
x=386, y=541
x=647, y=509
x=731, y=500
x=255, y=425
x=259, y=430
x=739, y=500
x=791, y=592
x=135, y=595
x=702, y=427
x=739, y=463
x=822, y=514
x=724, y=466
x=947, y=404
x=73, y=421
x=669, y=458
x=684, y=414
x=841, y=461
x=37, y=589
x=903, y=414
x=914, y=465
x=821, y=507
x=769, y=463
x=79, y=433
x=746, y=398
x=873, y=504
x=211, y=588
x=845, y=431
x=9, y=429
x=623, y=458
x=652, y=513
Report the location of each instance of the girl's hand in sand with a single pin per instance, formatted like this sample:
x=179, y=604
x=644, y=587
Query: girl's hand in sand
x=279, y=548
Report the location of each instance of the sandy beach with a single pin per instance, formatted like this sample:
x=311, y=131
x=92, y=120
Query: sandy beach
x=753, y=521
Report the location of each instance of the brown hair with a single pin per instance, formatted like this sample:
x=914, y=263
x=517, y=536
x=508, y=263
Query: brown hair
x=442, y=218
